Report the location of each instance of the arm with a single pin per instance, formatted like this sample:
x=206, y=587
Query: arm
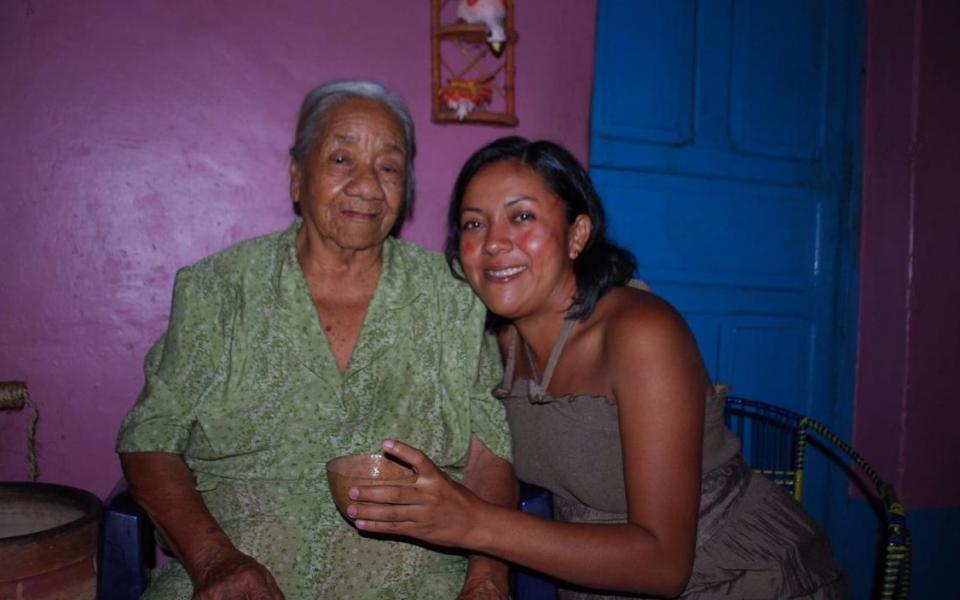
x=154, y=437
x=659, y=383
x=163, y=485
x=491, y=479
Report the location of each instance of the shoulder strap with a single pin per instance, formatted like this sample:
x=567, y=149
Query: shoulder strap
x=502, y=391
x=554, y=355
x=511, y=365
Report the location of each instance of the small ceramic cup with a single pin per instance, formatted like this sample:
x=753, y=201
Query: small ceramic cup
x=345, y=472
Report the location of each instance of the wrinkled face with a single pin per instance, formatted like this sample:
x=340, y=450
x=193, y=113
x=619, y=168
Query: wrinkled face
x=351, y=190
x=516, y=247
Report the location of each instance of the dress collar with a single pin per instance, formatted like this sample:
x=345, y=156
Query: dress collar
x=396, y=286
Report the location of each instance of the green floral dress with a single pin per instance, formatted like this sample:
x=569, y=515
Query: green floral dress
x=245, y=387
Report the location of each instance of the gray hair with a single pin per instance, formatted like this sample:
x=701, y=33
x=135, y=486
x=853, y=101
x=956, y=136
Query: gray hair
x=320, y=100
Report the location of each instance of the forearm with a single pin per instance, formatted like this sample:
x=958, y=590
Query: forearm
x=622, y=557
x=491, y=479
x=483, y=520
x=163, y=485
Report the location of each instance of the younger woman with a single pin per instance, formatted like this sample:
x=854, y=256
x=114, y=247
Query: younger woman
x=610, y=408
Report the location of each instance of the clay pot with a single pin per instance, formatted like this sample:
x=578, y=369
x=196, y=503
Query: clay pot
x=48, y=542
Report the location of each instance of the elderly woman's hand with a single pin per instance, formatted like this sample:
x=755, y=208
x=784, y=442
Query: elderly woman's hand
x=436, y=509
x=235, y=575
x=484, y=589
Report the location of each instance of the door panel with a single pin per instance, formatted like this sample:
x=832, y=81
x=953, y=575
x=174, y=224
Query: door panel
x=777, y=79
x=749, y=98
x=785, y=344
x=777, y=230
x=659, y=114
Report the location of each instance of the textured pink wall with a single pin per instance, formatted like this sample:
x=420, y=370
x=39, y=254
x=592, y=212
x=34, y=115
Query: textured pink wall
x=909, y=346
x=141, y=136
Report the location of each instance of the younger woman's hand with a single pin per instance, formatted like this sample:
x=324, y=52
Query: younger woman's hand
x=436, y=509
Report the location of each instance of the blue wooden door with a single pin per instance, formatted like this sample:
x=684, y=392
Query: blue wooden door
x=721, y=138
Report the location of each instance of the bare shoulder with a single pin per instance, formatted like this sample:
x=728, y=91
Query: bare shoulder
x=639, y=319
x=650, y=351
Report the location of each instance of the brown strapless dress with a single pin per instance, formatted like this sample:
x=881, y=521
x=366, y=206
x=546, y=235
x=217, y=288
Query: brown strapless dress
x=754, y=541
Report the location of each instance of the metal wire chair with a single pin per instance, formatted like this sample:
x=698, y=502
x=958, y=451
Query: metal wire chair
x=775, y=443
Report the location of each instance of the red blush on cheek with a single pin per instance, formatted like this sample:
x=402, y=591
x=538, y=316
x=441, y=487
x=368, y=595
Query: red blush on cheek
x=467, y=246
x=529, y=240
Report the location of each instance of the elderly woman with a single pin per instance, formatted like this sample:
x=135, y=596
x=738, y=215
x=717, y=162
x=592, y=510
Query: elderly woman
x=287, y=350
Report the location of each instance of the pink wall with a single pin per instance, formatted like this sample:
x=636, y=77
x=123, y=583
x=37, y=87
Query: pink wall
x=909, y=346
x=138, y=137
x=141, y=136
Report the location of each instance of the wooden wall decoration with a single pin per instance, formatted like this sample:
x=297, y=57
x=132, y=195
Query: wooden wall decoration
x=473, y=45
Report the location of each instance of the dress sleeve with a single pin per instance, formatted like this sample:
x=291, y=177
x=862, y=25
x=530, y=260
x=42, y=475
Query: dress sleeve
x=180, y=369
x=487, y=415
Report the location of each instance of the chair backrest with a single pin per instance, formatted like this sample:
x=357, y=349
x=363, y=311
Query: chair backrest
x=774, y=442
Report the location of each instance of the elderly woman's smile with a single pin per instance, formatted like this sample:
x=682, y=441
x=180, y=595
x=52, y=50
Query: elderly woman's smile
x=351, y=189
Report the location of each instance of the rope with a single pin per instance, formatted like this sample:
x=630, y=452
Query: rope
x=32, y=439
x=14, y=396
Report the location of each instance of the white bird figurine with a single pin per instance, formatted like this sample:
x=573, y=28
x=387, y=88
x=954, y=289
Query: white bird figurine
x=491, y=14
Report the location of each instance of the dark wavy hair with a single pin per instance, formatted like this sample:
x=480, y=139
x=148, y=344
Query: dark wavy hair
x=601, y=263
